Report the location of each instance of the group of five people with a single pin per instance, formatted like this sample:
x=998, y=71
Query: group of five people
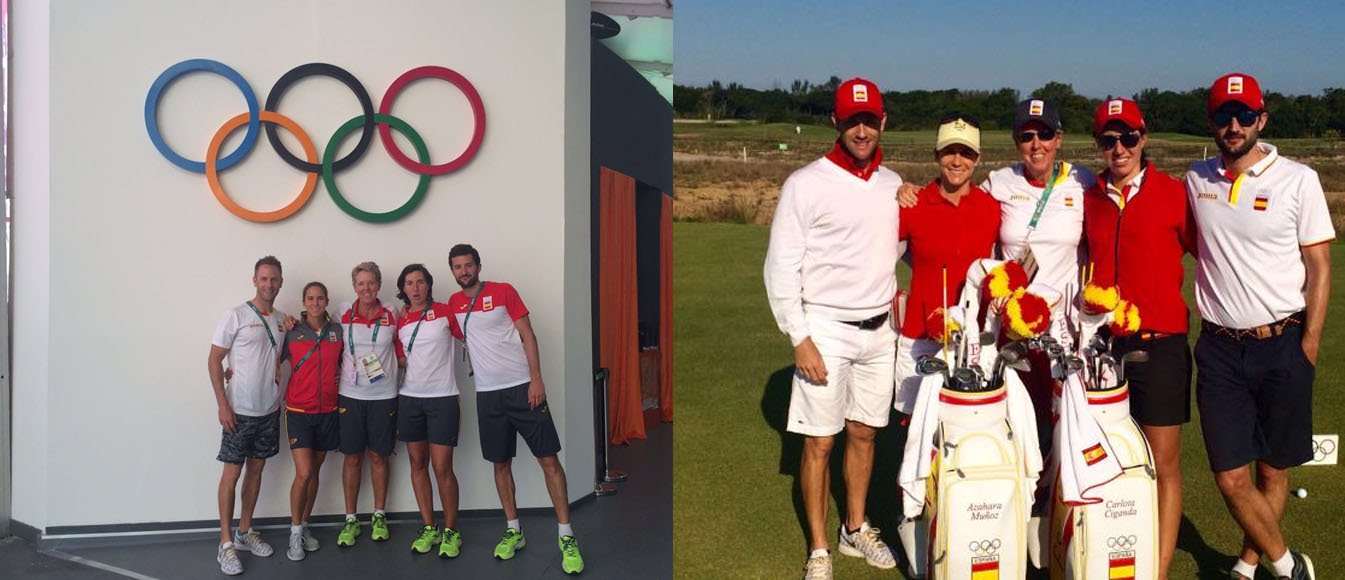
x=1256, y=222
x=368, y=377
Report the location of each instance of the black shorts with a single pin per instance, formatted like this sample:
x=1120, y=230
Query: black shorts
x=316, y=431
x=367, y=425
x=505, y=412
x=1160, y=390
x=1255, y=399
x=428, y=418
x=253, y=438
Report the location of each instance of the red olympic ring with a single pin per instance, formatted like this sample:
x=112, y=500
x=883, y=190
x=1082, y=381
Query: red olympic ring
x=478, y=112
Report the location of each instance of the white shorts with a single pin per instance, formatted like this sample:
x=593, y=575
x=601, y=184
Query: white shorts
x=910, y=350
x=859, y=365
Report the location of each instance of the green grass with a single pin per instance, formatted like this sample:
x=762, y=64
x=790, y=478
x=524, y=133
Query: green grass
x=734, y=486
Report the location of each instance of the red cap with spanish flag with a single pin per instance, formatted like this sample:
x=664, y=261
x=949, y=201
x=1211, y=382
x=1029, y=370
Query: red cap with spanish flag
x=857, y=96
x=1235, y=87
x=1122, y=110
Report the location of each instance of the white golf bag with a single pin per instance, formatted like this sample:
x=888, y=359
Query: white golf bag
x=971, y=461
x=1104, y=529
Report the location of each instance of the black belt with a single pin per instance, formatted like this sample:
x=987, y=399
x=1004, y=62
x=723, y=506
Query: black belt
x=869, y=324
x=1255, y=333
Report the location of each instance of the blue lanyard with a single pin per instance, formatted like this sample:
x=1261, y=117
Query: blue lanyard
x=265, y=323
x=412, y=343
x=350, y=330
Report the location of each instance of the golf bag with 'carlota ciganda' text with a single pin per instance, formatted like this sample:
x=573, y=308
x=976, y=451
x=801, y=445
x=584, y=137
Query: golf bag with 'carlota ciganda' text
x=1110, y=530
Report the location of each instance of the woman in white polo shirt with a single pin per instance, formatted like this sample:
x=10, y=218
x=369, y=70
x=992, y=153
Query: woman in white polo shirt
x=427, y=406
x=368, y=398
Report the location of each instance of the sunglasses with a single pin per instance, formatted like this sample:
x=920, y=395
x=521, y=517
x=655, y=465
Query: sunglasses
x=1028, y=136
x=1246, y=117
x=1129, y=140
x=866, y=119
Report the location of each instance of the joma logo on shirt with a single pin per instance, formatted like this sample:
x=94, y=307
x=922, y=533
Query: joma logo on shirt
x=1206, y=195
x=1019, y=197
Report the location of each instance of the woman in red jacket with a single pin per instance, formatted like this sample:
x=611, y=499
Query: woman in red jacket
x=1138, y=225
x=313, y=348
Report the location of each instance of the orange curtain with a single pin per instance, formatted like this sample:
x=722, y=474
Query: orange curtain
x=665, y=342
x=618, y=307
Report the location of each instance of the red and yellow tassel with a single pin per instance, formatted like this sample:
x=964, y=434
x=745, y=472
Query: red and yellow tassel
x=1028, y=315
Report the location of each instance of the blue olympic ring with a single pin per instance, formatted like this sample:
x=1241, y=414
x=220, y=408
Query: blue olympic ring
x=204, y=65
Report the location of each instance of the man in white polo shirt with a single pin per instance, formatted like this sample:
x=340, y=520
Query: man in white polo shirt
x=249, y=336
x=1262, y=283
x=829, y=277
x=492, y=322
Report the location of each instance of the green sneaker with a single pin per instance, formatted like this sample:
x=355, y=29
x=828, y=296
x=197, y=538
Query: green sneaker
x=349, y=532
x=451, y=544
x=427, y=537
x=380, y=532
x=512, y=541
x=570, y=560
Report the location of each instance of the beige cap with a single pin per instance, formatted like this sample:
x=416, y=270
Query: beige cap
x=958, y=131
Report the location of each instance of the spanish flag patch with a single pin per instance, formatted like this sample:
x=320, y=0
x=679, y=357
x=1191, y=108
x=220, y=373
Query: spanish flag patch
x=1261, y=203
x=985, y=570
x=1121, y=567
x=1094, y=454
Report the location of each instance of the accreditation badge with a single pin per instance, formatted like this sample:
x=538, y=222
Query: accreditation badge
x=373, y=369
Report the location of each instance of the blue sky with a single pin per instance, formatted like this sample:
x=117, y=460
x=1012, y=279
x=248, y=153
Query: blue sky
x=1099, y=47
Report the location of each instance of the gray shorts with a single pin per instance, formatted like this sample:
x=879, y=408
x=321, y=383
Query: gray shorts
x=253, y=438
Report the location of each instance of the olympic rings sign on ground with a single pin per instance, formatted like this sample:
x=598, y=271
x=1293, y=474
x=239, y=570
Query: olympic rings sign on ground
x=256, y=118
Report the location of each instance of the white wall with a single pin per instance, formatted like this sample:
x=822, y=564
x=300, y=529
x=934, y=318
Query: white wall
x=123, y=261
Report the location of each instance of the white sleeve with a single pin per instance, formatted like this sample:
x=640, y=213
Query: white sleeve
x=784, y=264
x=225, y=330
x=1314, y=219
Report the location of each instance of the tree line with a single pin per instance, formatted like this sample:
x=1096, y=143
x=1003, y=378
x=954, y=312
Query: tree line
x=1164, y=110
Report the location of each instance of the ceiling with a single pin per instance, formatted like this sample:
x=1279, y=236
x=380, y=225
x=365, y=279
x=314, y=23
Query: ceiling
x=645, y=40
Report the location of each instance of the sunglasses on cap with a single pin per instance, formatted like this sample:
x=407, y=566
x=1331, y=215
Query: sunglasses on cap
x=1129, y=140
x=1028, y=136
x=1224, y=117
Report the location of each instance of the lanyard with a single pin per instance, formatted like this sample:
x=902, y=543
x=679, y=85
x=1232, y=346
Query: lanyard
x=1045, y=195
x=470, y=306
x=321, y=334
x=265, y=324
x=350, y=330
x=412, y=343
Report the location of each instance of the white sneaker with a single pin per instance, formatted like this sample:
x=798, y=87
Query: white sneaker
x=296, y=551
x=252, y=542
x=818, y=568
x=868, y=544
x=228, y=560
x=310, y=542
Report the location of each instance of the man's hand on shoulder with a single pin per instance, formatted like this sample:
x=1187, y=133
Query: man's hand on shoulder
x=908, y=195
x=808, y=362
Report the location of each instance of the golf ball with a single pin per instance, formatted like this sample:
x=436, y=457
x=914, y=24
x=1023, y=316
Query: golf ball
x=1301, y=493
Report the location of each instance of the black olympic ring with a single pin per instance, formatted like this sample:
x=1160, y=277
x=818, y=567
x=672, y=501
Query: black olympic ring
x=296, y=74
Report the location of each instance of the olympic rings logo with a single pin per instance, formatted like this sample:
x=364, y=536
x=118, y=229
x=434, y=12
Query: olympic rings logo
x=1322, y=448
x=1122, y=542
x=328, y=165
x=984, y=547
